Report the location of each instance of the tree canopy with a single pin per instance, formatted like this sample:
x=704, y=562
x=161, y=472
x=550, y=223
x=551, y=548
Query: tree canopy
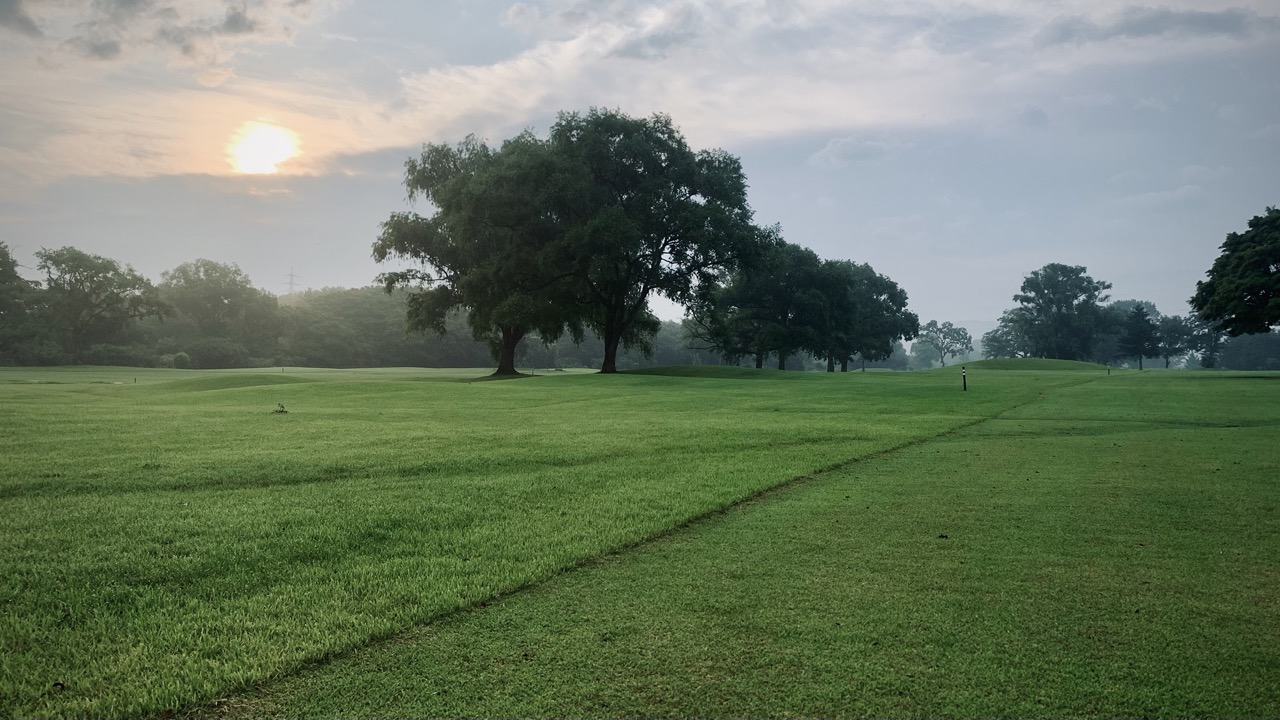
x=647, y=215
x=497, y=212
x=1141, y=335
x=1242, y=294
x=90, y=298
x=786, y=302
x=946, y=339
x=1060, y=312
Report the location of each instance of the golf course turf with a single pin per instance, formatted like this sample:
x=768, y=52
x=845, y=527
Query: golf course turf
x=1053, y=542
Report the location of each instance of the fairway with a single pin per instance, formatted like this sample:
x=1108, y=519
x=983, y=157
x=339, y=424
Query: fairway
x=1054, y=541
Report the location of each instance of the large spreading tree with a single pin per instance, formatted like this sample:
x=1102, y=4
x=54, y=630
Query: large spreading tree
x=219, y=299
x=647, y=215
x=1242, y=294
x=91, y=299
x=483, y=250
x=867, y=315
x=771, y=305
x=946, y=339
x=1060, y=311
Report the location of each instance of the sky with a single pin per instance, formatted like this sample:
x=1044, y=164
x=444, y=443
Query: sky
x=954, y=146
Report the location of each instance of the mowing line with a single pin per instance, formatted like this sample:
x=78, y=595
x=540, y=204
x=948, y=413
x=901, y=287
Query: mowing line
x=1073, y=576
x=755, y=499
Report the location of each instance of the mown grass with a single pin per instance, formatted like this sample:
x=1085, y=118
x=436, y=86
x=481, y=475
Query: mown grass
x=165, y=541
x=1106, y=551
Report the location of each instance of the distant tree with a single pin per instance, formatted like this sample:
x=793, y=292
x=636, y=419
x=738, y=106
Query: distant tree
x=14, y=290
x=1206, y=341
x=1242, y=293
x=1175, y=337
x=18, y=298
x=1009, y=338
x=1258, y=351
x=365, y=327
x=865, y=313
x=497, y=212
x=91, y=299
x=1060, y=310
x=945, y=339
x=218, y=298
x=896, y=359
x=921, y=356
x=648, y=215
x=771, y=306
x=1141, y=337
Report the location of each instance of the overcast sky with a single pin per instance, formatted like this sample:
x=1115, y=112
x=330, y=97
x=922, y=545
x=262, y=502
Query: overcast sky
x=954, y=146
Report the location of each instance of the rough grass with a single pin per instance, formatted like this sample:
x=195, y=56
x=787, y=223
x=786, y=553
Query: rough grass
x=166, y=542
x=1107, y=551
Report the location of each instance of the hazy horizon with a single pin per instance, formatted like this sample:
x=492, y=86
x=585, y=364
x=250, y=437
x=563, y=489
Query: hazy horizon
x=954, y=146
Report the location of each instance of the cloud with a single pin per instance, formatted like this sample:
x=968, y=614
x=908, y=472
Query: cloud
x=1147, y=22
x=843, y=151
x=1033, y=116
x=237, y=22
x=1182, y=195
x=199, y=35
x=725, y=73
x=852, y=73
x=13, y=17
x=98, y=48
x=522, y=17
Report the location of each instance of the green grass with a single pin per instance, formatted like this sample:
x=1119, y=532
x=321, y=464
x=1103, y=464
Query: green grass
x=165, y=539
x=1106, y=551
x=1036, y=364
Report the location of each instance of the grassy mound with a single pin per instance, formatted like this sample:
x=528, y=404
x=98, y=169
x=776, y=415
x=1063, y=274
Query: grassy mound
x=232, y=382
x=1036, y=364
x=727, y=372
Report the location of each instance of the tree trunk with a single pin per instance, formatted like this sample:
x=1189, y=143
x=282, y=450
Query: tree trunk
x=610, y=364
x=831, y=363
x=844, y=364
x=782, y=361
x=1166, y=363
x=1139, y=362
x=511, y=337
x=759, y=361
x=864, y=364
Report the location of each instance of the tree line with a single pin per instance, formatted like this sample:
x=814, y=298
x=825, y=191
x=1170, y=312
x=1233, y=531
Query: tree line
x=576, y=232
x=566, y=239
x=88, y=309
x=1062, y=313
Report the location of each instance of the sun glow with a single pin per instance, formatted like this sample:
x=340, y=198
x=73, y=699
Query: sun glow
x=258, y=148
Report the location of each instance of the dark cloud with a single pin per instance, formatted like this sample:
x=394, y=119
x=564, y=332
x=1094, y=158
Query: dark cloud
x=1034, y=117
x=120, y=25
x=237, y=22
x=655, y=45
x=13, y=17
x=1150, y=22
x=181, y=37
x=96, y=48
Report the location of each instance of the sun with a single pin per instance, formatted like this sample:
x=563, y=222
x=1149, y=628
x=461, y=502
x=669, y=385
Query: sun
x=258, y=148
